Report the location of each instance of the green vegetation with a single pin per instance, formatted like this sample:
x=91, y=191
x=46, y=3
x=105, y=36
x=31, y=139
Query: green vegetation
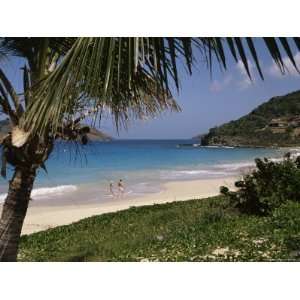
x=195, y=230
x=251, y=130
x=258, y=222
x=68, y=79
x=267, y=187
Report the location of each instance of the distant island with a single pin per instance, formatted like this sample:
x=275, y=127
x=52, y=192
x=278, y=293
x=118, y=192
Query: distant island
x=275, y=123
x=97, y=135
x=93, y=135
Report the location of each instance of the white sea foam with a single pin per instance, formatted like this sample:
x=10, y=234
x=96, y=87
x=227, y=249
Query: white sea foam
x=44, y=192
x=191, y=174
x=213, y=171
x=295, y=152
x=236, y=166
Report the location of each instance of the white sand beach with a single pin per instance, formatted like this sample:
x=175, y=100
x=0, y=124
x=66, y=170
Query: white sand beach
x=43, y=217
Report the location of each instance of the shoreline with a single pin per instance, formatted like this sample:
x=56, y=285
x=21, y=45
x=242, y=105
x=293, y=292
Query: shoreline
x=44, y=217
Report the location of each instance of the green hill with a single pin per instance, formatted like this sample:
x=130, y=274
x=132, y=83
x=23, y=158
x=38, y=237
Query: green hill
x=274, y=123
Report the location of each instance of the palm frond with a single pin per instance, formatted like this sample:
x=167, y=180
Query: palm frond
x=106, y=73
x=254, y=56
x=132, y=77
x=24, y=46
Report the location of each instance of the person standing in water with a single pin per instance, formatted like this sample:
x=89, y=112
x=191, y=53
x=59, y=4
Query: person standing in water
x=111, y=189
x=121, y=188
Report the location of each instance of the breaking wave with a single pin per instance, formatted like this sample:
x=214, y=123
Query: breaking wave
x=44, y=192
x=215, y=171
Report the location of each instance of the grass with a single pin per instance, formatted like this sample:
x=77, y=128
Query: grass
x=195, y=230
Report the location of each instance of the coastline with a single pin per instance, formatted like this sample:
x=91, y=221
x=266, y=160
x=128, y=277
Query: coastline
x=53, y=212
x=48, y=216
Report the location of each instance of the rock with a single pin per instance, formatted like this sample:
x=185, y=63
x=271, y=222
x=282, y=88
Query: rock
x=144, y=260
x=259, y=241
x=220, y=251
x=295, y=253
x=160, y=237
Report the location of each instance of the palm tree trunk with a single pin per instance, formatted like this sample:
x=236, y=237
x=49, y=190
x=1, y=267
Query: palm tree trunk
x=14, y=211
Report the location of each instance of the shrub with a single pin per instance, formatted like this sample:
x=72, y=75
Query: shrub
x=287, y=216
x=267, y=187
x=286, y=219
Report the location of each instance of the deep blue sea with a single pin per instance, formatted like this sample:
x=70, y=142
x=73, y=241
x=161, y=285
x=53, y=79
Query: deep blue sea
x=143, y=165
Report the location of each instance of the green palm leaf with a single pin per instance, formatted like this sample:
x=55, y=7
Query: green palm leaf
x=130, y=77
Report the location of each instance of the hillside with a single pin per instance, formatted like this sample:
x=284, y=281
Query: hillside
x=94, y=135
x=274, y=123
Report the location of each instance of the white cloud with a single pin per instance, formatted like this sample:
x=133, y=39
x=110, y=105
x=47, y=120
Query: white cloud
x=219, y=85
x=275, y=71
x=238, y=79
x=245, y=82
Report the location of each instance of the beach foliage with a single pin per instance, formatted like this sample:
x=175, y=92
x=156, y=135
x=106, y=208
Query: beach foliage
x=196, y=230
x=270, y=185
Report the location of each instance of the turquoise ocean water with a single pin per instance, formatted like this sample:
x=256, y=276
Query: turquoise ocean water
x=85, y=172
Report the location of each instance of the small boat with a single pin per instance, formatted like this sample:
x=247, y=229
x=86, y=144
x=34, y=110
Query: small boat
x=185, y=145
x=188, y=145
x=212, y=146
x=228, y=147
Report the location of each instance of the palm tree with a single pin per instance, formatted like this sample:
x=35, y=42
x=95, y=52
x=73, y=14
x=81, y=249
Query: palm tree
x=67, y=79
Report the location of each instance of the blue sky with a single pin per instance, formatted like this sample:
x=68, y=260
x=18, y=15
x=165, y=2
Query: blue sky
x=209, y=101
x=206, y=100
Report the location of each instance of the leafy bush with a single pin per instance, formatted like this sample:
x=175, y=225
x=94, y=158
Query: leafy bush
x=267, y=187
x=287, y=216
x=286, y=220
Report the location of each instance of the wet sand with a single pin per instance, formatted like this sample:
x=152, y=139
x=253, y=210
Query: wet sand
x=41, y=217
